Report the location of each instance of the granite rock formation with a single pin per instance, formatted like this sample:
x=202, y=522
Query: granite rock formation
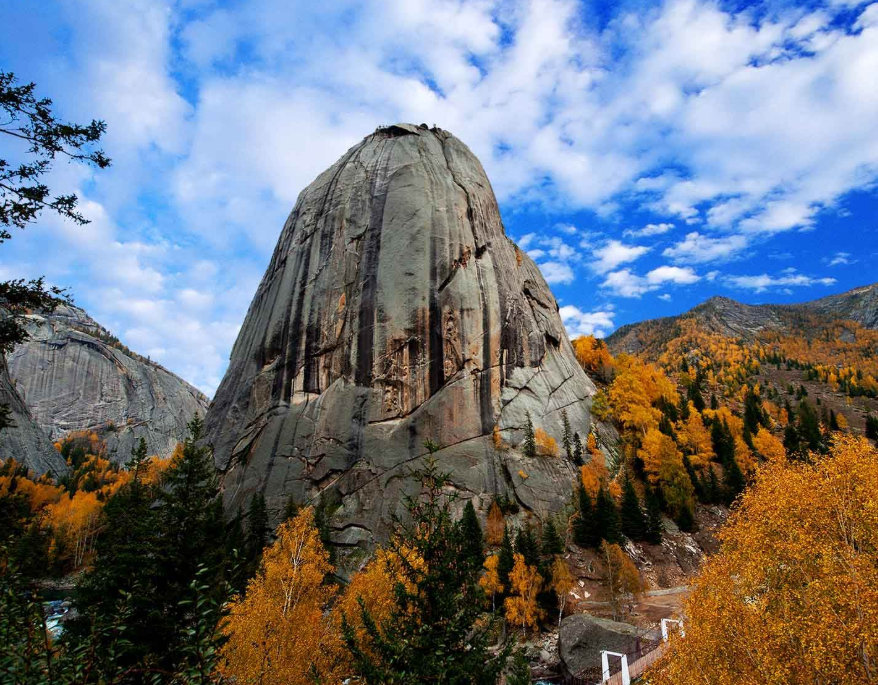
x=74, y=375
x=24, y=440
x=396, y=310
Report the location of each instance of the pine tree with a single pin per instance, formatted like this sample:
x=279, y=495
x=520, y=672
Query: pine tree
x=526, y=545
x=607, y=518
x=684, y=408
x=519, y=672
x=291, y=509
x=138, y=459
x=734, y=481
x=654, y=526
x=566, y=437
x=472, y=541
x=871, y=427
x=693, y=476
x=435, y=632
x=530, y=444
x=809, y=428
x=577, y=450
x=632, y=520
x=712, y=491
x=584, y=527
x=257, y=526
x=321, y=520
x=686, y=519
x=506, y=558
x=552, y=542
x=833, y=421
x=713, y=402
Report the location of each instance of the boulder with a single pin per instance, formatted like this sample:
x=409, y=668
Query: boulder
x=395, y=310
x=582, y=638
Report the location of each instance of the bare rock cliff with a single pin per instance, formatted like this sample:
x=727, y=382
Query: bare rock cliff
x=73, y=375
x=396, y=310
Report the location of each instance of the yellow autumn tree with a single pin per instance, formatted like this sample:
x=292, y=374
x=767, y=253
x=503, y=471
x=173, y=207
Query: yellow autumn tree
x=693, y=435
x=562, y=584
x=593, y=356
x=792, y=596
x=546, y=444
x=276, y=631
x=594, y=473
x=657, y=449
x=490, y=580
x=768, y=445
x=620, y=575
x=494, y=525
x=525, y=583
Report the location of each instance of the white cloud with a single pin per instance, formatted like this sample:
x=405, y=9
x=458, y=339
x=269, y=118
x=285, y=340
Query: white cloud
x=841, y=259
x=625, y=283
x=666, y=297
x=556, y=273
x=763, y=282
x=672, y=274
x=649, y=230
x=697, y=248
x=614, y=253
x=578, y=322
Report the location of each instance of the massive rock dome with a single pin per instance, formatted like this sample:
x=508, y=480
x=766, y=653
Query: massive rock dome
x=396, y=310
x=74, y=375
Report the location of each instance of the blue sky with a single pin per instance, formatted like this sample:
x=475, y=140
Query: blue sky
x=648, y=155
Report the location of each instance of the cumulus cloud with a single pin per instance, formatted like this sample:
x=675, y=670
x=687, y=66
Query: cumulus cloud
x=841, y=259
x=578, y=322
x=556, y=273
x=697, y=248
x=613, y=253
x=625, y=283
x=649, y=230
x=764, y=282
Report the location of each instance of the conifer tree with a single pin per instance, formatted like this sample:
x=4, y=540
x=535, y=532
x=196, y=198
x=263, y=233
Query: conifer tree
x=257, y=525
x=526, y=545
x=734, y=480
x=291, y=509
x=434, y=633
x=506, y=558
x=632, y=520
x=551, y=542
x=697, y=485
x=871, y=427
x=530, y=444
x=686, y=518
x=654, y=526
x=585, y=528
x=470, y=533
x=577, y=450
x=712, y=491
x=566, y=439
x=809, y=428
x=607, y=518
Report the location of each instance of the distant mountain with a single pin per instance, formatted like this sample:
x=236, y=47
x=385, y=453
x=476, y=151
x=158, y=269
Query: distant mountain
x=730, y=318
x=24, y=440
x=74, y=375
x=859, y=304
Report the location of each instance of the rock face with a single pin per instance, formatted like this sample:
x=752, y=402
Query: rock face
x=25, y=441
x=582, y=637
x=859, y=304
x=395, y=310
x=74, y=375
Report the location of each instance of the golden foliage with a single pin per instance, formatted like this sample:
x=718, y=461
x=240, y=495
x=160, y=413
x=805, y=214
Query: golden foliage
x=521, y=605
x=695, y=438
x=276, y=630
x=657, y=449
x=562, y=583
x=620, y=574
x=594, y=473
x=593, y=356
x=546, y=444
x=792, y=596
x=494, y=525
x=490, y=580
x=769, y=446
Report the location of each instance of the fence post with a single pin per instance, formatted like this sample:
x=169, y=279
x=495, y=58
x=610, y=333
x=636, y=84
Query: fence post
x=605, y=667
x=665, y=622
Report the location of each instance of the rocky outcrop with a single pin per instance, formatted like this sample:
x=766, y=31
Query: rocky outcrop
x=74, y=375
x=395, y=310
x=582, y=637
x=24, y=440
x=859, y=304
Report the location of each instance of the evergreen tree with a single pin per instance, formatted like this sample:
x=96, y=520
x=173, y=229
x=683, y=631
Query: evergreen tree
x=577, y=450
x=607, y=518
x=321, y=521
x=506, y=561
x=754, y=414
x=693, y=476
x=684, y=408
x=472, y=541
x=734, y=480
x=435, y=632
x=723, y=442
x=291, y=509
x=530, y=443
x=632, y=518
x=566, y=437
x=712, y=491
x=791, y=441
x=871, y=427
x=654, y=526
x=138, y=459
x=686, y=519
x=551, y=542
x=809, y=428
x=519, y=670
x=584, y=528
x=713, y=402
x=526, y=545
x=257, y=526
x=833, y=421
